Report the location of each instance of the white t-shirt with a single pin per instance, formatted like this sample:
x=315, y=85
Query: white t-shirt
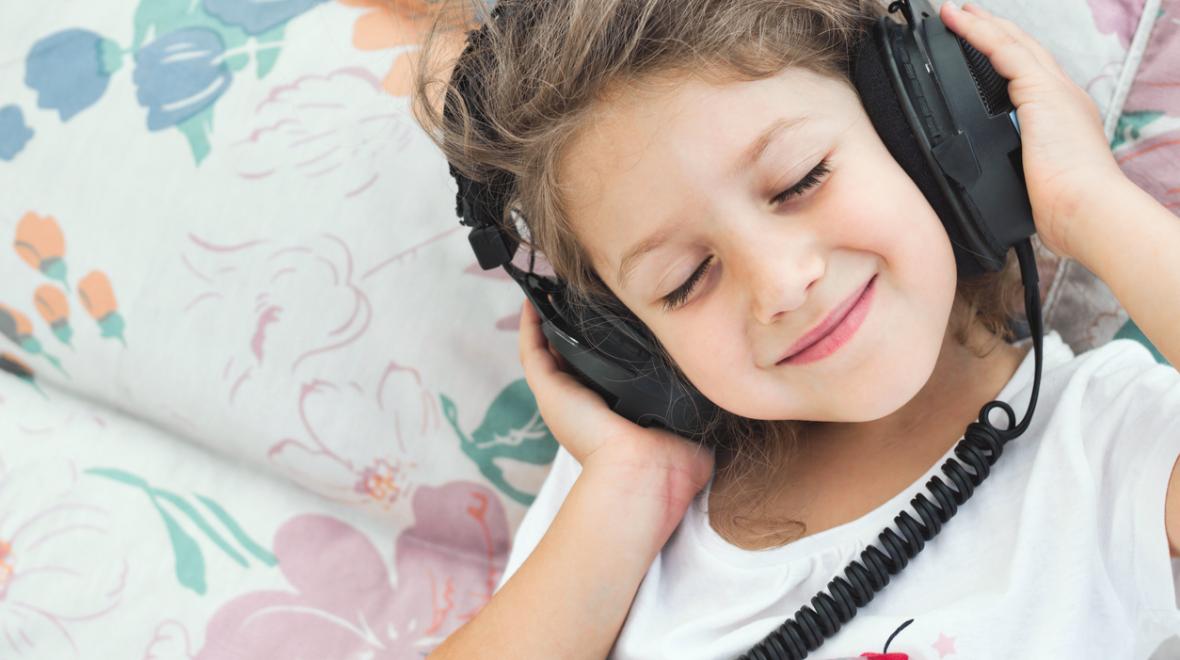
x=1061, y=552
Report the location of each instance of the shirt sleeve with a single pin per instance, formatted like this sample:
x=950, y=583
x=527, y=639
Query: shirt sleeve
x=1135, y=406
x=562, y=475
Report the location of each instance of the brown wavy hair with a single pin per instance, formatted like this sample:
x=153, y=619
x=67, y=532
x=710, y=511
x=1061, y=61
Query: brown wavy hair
x=545, y=66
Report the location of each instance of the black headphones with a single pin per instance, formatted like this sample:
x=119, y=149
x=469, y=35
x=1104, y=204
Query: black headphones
x=944, y=114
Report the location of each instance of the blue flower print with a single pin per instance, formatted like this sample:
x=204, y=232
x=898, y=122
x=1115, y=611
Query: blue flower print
x=66, y=70
x=14, y=135
x=179, y=75
x=257, y=16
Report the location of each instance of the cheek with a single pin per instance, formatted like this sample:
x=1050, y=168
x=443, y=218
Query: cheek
x=711, y=357
x=882, y=211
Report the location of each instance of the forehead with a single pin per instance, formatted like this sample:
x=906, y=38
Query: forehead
x=641, y=144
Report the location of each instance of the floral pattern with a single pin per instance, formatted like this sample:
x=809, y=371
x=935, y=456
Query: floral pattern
x=400, y=25
x=296, y=133
x=327, y=564
x=258, y=399
x=330, y=458
x=47, y=588
x=190, y=61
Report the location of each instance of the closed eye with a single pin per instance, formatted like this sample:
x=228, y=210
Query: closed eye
x=811, y=180
x=678, y=297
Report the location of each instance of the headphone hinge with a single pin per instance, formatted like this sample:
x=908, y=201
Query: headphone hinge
x=490, y=248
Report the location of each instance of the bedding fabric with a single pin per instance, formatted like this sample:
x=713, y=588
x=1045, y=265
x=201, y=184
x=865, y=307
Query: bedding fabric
x=257, y=399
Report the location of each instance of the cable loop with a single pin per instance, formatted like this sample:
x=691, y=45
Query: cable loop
x=981, y=446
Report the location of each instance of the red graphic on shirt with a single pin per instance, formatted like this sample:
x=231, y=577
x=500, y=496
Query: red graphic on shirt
x=945, y=646
x=885, y=654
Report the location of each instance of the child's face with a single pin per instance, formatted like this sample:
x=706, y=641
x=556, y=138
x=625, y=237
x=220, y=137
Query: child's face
x=777, y=270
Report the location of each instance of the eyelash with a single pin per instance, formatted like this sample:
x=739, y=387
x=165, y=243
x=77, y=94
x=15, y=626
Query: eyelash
x=677, y=298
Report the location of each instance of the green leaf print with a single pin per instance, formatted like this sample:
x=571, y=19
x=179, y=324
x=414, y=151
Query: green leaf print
x=239, y=534
x=512, y=428
x=265, y=58
x=1131, y=124
x=120, y=475
x=199, y=521
x=190, y=562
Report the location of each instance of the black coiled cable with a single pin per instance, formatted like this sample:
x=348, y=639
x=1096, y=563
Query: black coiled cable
x=980, y=448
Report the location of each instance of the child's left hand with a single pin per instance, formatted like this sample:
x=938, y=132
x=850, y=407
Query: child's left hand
x=1067, y=160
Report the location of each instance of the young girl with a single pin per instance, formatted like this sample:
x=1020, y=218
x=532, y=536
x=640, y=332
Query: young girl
x=631, y=130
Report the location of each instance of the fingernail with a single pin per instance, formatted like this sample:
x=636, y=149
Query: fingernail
x=953, y=6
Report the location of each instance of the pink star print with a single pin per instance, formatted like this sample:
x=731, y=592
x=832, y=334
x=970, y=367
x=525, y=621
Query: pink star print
x=945, y=645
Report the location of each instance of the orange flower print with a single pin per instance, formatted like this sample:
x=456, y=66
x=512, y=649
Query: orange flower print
x=5, y=567
x=19, y=330
x=53, y=307
x=10, y=363
x=39, y=242
x=392, y=23
x=99, y=300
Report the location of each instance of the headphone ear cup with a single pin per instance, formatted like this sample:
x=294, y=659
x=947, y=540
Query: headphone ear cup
x=606, y=331
x=614, y=354
x=878, y=93
x=992, y=87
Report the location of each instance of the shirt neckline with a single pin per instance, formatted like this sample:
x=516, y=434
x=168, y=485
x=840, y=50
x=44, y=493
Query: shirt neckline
x=863, y=531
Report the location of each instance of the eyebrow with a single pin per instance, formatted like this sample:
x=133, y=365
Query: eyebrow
x=747, y=159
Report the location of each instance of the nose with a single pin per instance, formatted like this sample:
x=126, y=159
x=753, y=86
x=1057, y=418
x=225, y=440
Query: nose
x=780, y=277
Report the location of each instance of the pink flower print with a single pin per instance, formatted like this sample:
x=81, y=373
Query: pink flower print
x=306, y=131
x=57, y=571
x=368, y=457
x=1117, y=17
x=380, y=482
x=1151, y=164
x=1152, y=109
x=170, y=642
x=342, y=602
x=304, y=303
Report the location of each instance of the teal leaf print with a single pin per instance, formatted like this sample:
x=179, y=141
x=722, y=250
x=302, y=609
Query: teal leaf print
x=196, y=130
x=1131, y=124
x=195, y=516
x=265, y=58
x=190, y=562
x=110, y=56
x=185, y=55
x=240, y=535
x=121, y=476
x=256, y=16
x=1130, y=330
x=512, y=428
x=157, y=17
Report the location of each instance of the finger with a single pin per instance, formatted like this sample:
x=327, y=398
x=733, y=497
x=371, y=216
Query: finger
x=1008, y=55
x=542, y=366
x=534, y=354
x=1042, y=54
x=558, y=358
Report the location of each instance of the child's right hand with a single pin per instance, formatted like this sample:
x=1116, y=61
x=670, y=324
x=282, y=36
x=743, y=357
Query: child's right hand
x=646, y=461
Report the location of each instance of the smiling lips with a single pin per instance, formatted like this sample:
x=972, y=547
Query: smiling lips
x=833, y=320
